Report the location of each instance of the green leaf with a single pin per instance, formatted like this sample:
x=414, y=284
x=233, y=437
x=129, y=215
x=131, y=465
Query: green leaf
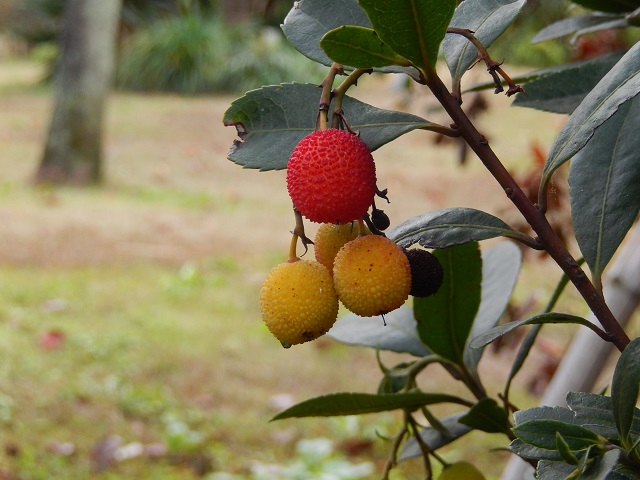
x=359, y=47
x=338, y=404
x=526, y=450
x=618, y=86
x=272, y=120
x=487, y=19
x=604, y=183
x=624, y=392
x=594, y=412
x=552, y=317
x=309, y=20
x=414, y=29
x=450, y=227
x=567, y=26
x=434, y=438
x=399, y=335
x=613, y=6
x=561, y=89
x=500, y=268
x=565, y=452
x=445, y=319
x=487, y=416
x=542, y=434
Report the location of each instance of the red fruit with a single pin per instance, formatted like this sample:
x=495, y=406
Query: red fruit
x=331, y=177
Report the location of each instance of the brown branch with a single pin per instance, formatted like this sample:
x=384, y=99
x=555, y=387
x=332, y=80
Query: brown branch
x=547, y=237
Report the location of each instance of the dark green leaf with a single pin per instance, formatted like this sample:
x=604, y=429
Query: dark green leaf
x=338, y=404
x=500, y=330
x=272, y=120
x=450, y=227
x=359, y=47
x=613, y=6
x=445, y=319
x=487, y=19
x=622, y=472
x=395, y=379
x=624, y=392
x=542, y=434
x=414, y=29
x=604, y=182
x=487, y=416
x=567, y=26
x=526, y=450
x=434, y=438
x=399, y=335
x=549, y=470
x=561, y=89
x=565, y=452
x=618, y=86
x=544, y=412
x=500, y=269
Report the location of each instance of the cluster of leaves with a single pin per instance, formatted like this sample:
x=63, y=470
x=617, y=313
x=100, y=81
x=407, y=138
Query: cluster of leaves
x=597, y=437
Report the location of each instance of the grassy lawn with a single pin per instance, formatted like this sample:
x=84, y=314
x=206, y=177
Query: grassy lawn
x=130, y=339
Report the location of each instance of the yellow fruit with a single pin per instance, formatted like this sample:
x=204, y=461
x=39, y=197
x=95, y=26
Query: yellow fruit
x=461, y=471
x=330, y=238
x=298, y=302
x=372, y=275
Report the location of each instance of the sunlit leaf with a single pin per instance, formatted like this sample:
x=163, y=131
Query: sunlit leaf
x=359, y=47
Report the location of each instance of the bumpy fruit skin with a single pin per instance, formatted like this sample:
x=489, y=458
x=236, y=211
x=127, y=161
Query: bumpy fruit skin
x=426, y=272
x=461, y=471
x=372, y=275
x=330, y=238
x=331, y=177
x=298, y=302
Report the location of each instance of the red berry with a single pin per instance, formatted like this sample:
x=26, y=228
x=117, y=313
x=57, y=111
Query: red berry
x=331, y=177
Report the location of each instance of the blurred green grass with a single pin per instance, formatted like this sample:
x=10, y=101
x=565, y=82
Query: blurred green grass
x=130, y=310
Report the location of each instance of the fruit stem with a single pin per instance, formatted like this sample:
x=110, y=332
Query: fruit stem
x=293, y=246
x=298, y=232
x=362, y=229
x=325, y=97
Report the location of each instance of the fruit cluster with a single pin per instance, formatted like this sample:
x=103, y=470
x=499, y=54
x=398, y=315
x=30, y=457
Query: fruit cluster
x=331, y=180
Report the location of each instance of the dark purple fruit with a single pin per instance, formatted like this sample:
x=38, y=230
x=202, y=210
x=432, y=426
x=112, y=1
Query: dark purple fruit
x=426, y=272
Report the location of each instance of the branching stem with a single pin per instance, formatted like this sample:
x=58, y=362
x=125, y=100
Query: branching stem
x=547, y=237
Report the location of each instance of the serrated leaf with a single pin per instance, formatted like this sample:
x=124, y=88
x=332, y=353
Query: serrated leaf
x=339, y=404
x=399, y=335
x=488, y=19
x=445, y=319
x=594, y=412
x=562, y=89
x=618, y=86
x=625, y=389
x=414, y=29
x=487, y=416
x=359, y=47
x=568, y=26
x=526, y=450
x=552, y=317
x=604, y=186
x=613, y=6
x=272, y=120
x=435, y=439
x=545, y=412
x=500, y=268
x=450, y=227
x=542, y=434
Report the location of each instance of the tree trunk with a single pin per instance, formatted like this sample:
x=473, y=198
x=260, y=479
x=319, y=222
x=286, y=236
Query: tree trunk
x=73, y=151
